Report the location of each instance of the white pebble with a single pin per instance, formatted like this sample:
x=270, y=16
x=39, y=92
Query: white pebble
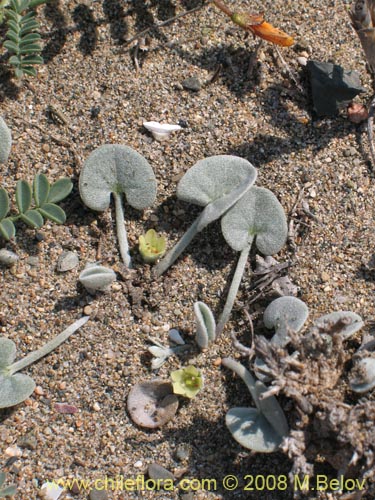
x=138, y=464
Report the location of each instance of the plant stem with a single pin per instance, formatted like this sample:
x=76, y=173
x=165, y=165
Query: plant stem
x=223, y=7
x=243, y=373
x=121, y=230
x=47, y=348
x=233, y=289
x=177, y=250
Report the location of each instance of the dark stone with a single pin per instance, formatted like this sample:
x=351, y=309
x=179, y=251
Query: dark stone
x=192, y=83
x=332, y=87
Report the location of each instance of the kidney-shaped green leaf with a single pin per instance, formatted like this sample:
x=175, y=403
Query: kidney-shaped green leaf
x=15, y=389
x=7, y=229
x=252, y=430
x=257, y=215
x=53, y=212
x=282, y=314
x=212, y=178
x=351, y=322
x=114, y=168
x=33, y=218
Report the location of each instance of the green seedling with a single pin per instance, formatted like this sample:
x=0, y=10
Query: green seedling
x=5, y=141
x=284, y=314
x=259, y=429
x=215, y=183
x=256, y=218
x=151, y=246
x=187, y=382
x=97, y=278
x=205, y=325
x=45, y=198
x=16, y=387
x=115, y=170
x=22, y=37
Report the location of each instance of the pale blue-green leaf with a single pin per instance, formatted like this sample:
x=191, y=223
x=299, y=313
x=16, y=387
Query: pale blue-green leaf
x=60, y=190
x=4, y=203
x=15, y=389
x=252, y=430
x=7, y=352
x=7, y=229
x=33, y=219
x=41, y=189
x=23, y=195
x=53, y=212
x=351, y=322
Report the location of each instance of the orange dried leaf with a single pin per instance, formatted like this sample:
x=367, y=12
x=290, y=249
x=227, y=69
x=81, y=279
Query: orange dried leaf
x=272, y=34
x=246, y=21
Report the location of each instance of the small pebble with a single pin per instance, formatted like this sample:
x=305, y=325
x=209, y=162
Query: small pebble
x=156, y=471
x=67, y=261
x=45, y=148
x=302, y=61
x=217, y=362
x=98, y=495
x=138, y=464
x=7, y=257
x=324, y=276
x=87, y=310
x=192, y=83
x=33, y=261
x=39, y=390
x=13, y=451
x=96, y=407
x=182, y=452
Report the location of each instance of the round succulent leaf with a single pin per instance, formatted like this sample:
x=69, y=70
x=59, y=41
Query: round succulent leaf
x=152, y=404
x=214, y=177
x=24, y=195
x=364, y=379
x=53, y=212
x=15, y=389
x=33, y=218
x=5, y=141
x=4, y=203
x=282, y=314
x=8, y=491
x=252, y=430
x=354, y=324
x=114, y=168
x=59, y=190
x=7, y=352
x=257, y=215
x=7, y=229
x=41, y=189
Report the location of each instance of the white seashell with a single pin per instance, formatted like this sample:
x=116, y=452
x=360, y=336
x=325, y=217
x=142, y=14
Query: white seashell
x=174, y=336
x=51, y=491
x=161, y=131
x=7, y=257
x=97, y=278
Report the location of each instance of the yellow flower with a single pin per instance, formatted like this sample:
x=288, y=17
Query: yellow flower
x=151, y=246
x=187, y=381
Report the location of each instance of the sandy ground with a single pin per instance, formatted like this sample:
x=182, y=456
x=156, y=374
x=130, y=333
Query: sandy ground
x=105, y=90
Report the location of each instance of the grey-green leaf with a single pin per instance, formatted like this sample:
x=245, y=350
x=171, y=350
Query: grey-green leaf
x=8, y=491
x=282, y=314
x=15, y=389
x=5, y=141
x=7, y=229
x=252, y=430
x=7, y=352
x=205, y=325
x=33, y=219
x=352, y=322
x=364, y=379
x=4, y=203
x=60, y=190
x=41, y=188
x=23, y=195
x=114, y=168
x=257, y=215
x=53, y=212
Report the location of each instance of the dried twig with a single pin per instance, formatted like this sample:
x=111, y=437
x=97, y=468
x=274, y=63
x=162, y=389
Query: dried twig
x=164, y=23
x=370, y=129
